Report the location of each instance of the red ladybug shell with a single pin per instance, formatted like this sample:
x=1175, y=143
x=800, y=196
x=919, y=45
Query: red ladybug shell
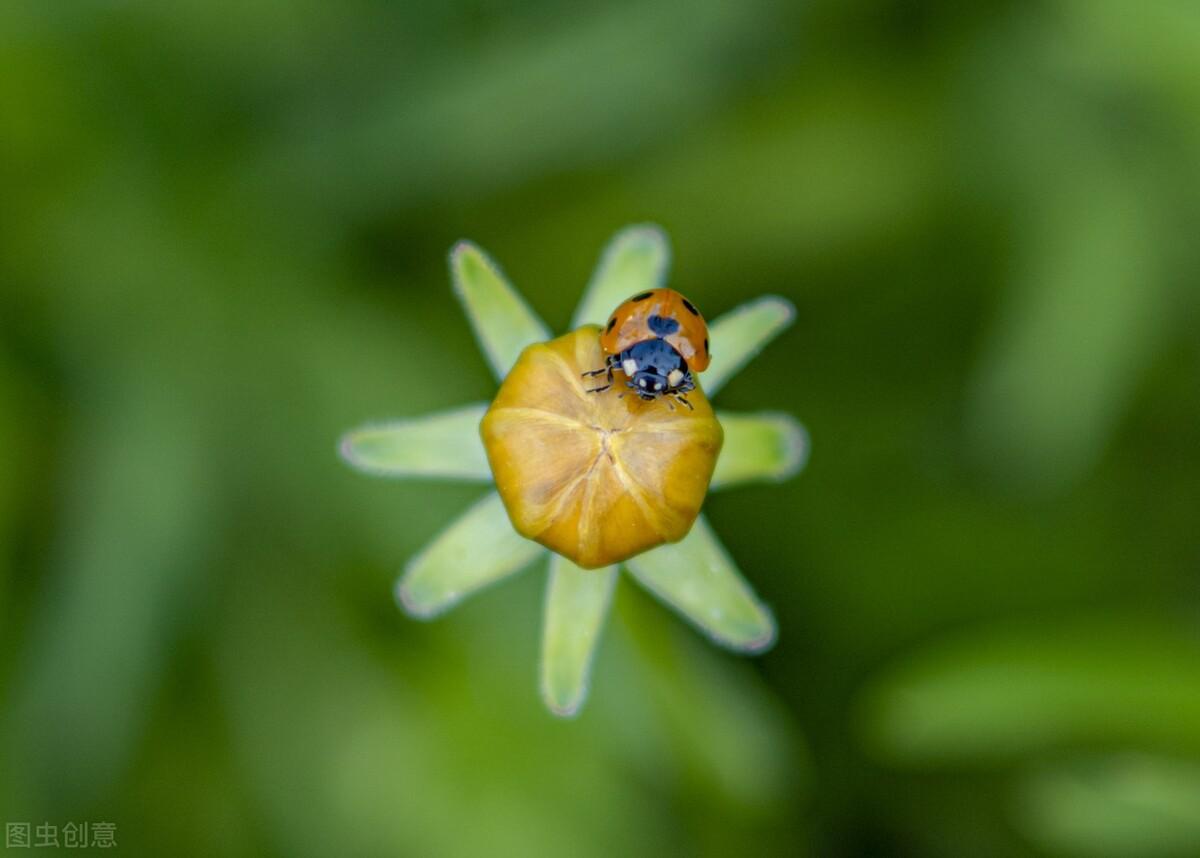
x=631, y=324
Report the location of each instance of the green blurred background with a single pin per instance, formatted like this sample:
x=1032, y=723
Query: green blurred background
x=223, y=228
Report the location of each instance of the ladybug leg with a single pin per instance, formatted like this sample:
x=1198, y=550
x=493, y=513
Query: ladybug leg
x=687, y=385
x=607, y=368
x=602, y=387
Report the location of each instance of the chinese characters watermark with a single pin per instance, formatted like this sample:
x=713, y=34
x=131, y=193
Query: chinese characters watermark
x=73, y=835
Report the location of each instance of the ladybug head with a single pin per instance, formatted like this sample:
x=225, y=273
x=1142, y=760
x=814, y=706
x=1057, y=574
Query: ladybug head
x=648, y=384
x=654, y=368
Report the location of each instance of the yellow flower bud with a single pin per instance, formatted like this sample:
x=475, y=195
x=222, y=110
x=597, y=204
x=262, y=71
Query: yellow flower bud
x=596, y=477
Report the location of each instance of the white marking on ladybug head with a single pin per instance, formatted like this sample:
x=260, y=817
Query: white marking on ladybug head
x=675, y=377
x=658, y=385
x=642, y=382
x=629, y=366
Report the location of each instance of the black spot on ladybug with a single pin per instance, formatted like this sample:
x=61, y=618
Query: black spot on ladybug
x=662, y=325
x=706, y=345
x=642, y=297
x=611, y=323
x=689, y=306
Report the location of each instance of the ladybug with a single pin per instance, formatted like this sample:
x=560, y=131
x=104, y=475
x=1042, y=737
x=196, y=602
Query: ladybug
x=657, y=339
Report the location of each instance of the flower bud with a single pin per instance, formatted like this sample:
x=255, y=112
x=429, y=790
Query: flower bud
x=595, y=477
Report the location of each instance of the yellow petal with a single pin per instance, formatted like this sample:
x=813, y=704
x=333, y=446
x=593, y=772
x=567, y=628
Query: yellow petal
x=596, y=477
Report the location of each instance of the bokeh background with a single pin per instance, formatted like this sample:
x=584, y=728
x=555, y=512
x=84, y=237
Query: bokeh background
x=223, y=228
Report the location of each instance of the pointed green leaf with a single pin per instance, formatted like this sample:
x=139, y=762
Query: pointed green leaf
x=636, y=259
x=1119, y=805
x=697, y=578
x=130, y=549
x=503, y=322
x=1081, y=324
x=477, y=549
x=765, y=446
x=741, y=334
x=577, y=602
x=739, y=743
x=996, y=693
x=446, y=444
